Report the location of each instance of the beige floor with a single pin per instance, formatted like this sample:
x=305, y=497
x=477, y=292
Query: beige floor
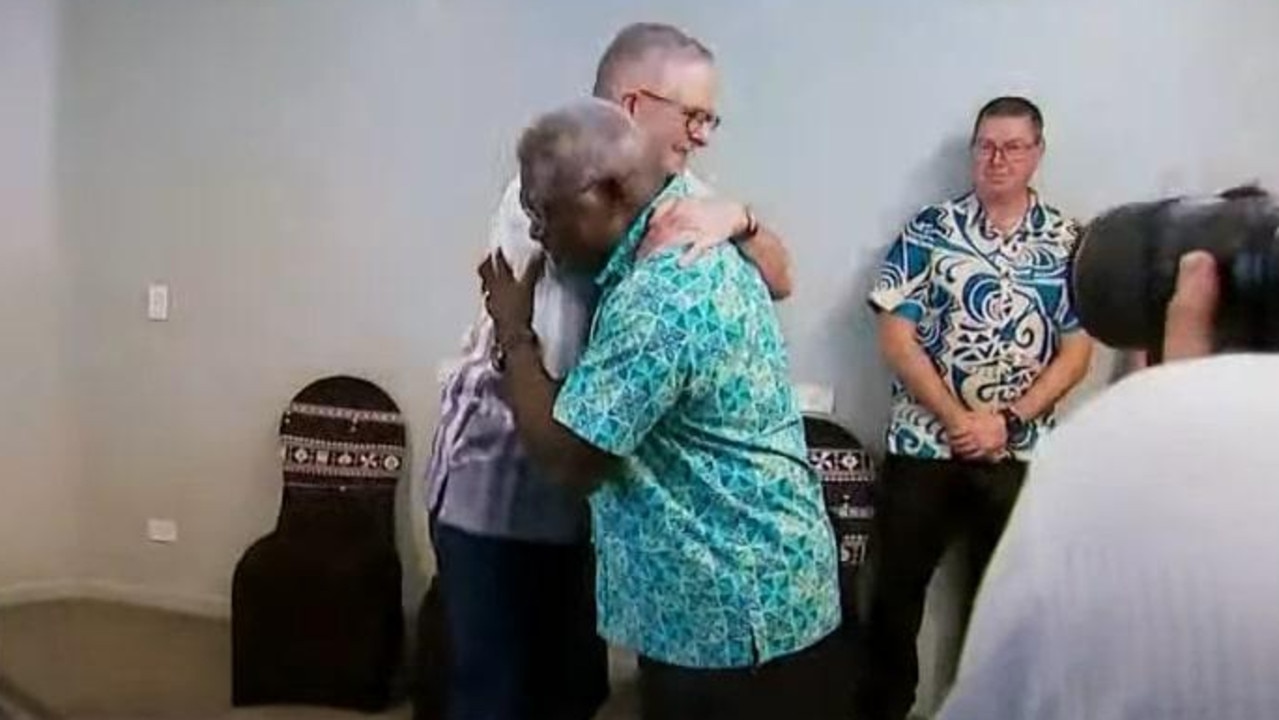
x=101, y=661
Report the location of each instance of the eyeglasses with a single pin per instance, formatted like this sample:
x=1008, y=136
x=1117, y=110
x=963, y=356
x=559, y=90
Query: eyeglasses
x=1014, y=151
x=696, y=119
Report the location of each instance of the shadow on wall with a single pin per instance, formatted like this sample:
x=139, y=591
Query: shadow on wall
x=852, y=324
x=944, y=175
x=411, y=527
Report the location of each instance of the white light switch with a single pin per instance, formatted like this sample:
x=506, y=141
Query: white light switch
x=158, y=302
x=162, y=531
x=818, y=399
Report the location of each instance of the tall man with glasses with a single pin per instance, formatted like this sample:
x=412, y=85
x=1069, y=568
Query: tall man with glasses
x=977, y=325
x=513, y=548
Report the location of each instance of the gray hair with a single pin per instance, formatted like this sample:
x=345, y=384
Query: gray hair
x=567, y=151
x=638, y=55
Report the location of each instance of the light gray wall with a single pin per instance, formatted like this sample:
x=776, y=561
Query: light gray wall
x=38, y=448
x=275, y=163
x=313, y=178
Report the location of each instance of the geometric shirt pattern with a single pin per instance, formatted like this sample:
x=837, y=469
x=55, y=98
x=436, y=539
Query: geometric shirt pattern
x=714, y=549
x=479, y=478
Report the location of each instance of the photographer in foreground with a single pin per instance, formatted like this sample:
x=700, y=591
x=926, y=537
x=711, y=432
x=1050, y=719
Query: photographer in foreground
x=1137, y=577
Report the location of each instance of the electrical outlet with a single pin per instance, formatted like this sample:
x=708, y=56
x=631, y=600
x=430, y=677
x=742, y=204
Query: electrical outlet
x=816, y=399
x=162, y=531
x=158, y=302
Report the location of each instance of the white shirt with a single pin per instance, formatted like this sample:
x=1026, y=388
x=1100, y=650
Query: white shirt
x=479, y=479
x=1139, y=574
x=563, y=303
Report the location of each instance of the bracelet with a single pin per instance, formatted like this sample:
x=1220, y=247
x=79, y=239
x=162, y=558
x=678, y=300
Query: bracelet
x=506, y=344
x=512, y=340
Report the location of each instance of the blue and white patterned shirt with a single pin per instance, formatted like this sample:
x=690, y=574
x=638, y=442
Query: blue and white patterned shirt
x=713, y=545
x=991, y=312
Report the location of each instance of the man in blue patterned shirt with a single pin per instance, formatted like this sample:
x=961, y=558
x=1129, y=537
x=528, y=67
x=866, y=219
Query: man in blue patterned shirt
x=977, y=325
x=716, y=561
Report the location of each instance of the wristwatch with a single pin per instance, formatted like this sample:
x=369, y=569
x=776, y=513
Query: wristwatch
x=1013, y=423
x=503, y=345
x=752, y=224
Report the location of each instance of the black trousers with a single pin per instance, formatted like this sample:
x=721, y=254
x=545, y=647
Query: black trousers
x=807, y=685
x=924, y=505
x=521, y=625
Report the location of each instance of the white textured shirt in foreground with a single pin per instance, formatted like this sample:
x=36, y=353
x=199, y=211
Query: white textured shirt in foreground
x=1139, y=575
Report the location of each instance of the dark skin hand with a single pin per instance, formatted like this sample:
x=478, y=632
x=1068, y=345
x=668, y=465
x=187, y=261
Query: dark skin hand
x=530, y=391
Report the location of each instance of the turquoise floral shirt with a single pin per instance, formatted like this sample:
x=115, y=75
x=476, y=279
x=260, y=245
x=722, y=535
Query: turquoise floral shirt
x=714, y=549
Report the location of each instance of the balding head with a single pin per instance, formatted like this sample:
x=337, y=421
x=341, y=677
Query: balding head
x=638, y=58
x=666, y=80
x=585, y=171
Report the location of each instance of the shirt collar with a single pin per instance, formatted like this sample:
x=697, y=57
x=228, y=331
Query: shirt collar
x=977, y=214
x=622, y=259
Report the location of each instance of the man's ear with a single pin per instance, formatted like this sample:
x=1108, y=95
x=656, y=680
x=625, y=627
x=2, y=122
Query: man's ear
x=628, y=102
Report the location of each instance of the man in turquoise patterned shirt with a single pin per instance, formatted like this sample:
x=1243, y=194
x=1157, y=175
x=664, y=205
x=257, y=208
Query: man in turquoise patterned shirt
x=716, y=560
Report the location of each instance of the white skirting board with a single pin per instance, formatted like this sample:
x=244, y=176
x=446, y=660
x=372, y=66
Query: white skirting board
x=67, y=589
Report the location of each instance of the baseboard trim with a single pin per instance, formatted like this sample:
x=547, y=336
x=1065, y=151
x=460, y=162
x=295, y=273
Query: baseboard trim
x=34, y=591
x=203, y=605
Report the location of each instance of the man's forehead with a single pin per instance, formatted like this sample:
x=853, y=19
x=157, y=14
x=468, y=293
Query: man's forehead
x=1006, y=128
x=690, y=80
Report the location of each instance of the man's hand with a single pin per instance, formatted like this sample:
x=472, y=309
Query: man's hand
x=700, y=224
x=978, y=435
x=528, y=390
x=508, y=299
x=961, y=435
x=1189, y=323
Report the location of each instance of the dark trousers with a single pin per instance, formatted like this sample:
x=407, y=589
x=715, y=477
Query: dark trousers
x=807, y=685
x=521, y=628
x=923, y=506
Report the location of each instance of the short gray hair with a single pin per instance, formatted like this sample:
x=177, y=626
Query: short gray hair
x=569, y=150
x=638, y=55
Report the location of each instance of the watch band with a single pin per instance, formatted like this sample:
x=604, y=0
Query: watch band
x=1013, y=422
x=752, y=224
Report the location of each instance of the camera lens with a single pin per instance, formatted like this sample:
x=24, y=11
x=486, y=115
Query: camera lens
x=1112, y=278
x=1125, y=268
x=1254, y=292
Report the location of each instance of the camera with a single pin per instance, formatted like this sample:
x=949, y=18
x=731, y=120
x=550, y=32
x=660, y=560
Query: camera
x=1125, y=268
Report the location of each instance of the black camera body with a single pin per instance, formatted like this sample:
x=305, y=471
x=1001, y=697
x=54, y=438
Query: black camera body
x=1125, y=268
